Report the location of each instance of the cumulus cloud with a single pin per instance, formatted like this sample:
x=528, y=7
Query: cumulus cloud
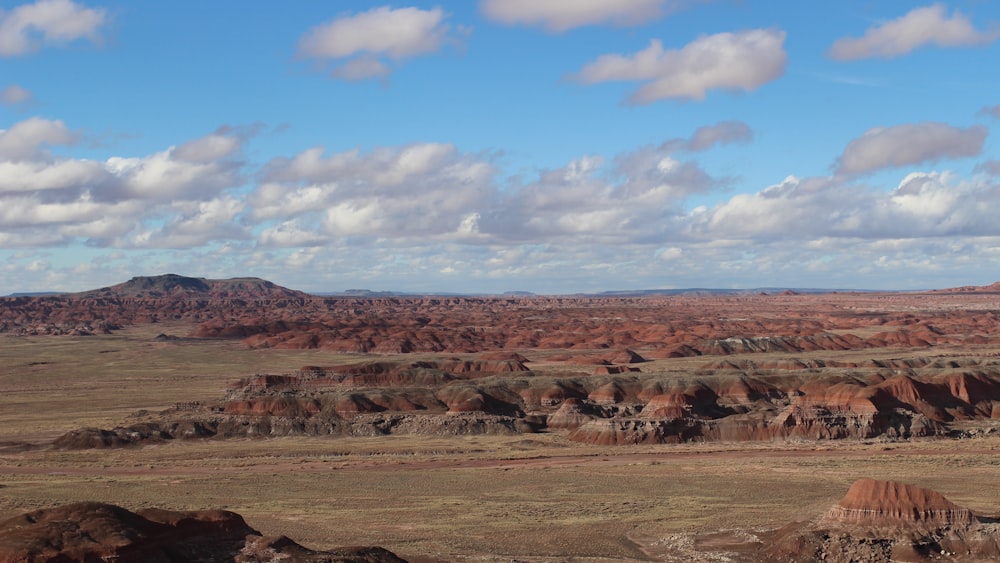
x=743, y=60
x=635, y=199
x=902, y=145
x=15, y=96
x=923, y=205
x=30, y=138
x=29, y=27
x=929, y=25
x=196, y=224
x=219, y=145
x=164, y=177
x=431, y=191
x=362, y=44
x=118, y=201
x=424, y=189
x=562, y=15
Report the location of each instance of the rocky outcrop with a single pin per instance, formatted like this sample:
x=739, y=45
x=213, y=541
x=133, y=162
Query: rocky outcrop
x=885, y=521
x=890, y=505
x=90, y=531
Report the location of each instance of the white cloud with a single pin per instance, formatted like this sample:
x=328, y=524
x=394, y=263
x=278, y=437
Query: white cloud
x=902, y=145
x=363, y=42
x=25, y=140
x=169, y=198
x=37, y=176
x=14, y=96
x=562, y=15
x=209, y=148
x=637, y=200
x=28, y=27
x=430, y=191
x=743, y=60
x=198, y=170
x=419, y=190
x=196, y=225
x=929, y=25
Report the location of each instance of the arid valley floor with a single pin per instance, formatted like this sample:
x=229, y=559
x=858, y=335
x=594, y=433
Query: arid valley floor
x=651, y=428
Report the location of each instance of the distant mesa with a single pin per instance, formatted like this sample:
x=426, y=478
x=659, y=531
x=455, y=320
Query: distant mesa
x=173, y=285
x=992, y=288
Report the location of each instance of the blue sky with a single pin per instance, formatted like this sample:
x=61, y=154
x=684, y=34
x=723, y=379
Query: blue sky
x=496, y=145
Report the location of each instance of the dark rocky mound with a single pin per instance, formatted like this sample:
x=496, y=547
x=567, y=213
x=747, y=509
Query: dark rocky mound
x=95, y=532
x=883, y=521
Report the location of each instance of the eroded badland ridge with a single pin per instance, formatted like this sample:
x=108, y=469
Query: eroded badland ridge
x=784, y=370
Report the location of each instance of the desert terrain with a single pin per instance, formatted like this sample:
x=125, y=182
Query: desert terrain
x=692, y=427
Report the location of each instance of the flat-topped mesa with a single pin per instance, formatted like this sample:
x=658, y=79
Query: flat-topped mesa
x=870, y=503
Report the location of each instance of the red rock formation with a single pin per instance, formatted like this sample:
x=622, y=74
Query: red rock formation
x=890, y=505
x=572, y=414
x=885, y=521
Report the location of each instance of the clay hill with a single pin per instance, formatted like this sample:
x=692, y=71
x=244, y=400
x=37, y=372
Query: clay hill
x=93, y=532
x=883, y=521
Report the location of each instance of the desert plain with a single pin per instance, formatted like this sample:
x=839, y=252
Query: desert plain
x=683, y=427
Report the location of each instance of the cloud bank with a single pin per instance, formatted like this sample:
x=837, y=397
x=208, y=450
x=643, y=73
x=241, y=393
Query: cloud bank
x=429, y=209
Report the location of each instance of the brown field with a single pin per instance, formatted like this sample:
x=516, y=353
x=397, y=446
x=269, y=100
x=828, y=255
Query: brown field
x=531, y=497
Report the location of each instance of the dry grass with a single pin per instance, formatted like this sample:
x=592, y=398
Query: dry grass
x=478, y=497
